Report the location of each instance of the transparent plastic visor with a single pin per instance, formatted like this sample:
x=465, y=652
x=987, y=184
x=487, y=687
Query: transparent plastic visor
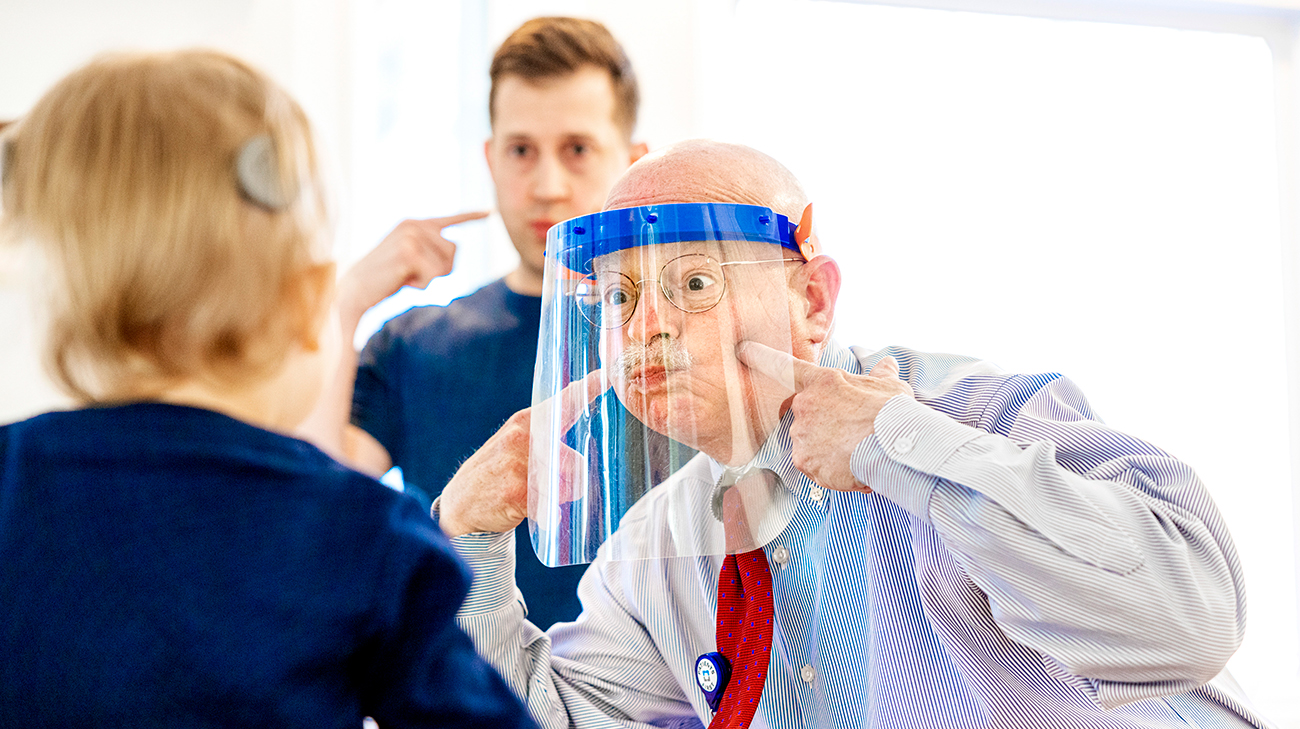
x=644, y=416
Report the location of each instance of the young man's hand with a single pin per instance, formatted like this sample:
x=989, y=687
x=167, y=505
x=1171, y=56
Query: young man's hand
x=413, y=254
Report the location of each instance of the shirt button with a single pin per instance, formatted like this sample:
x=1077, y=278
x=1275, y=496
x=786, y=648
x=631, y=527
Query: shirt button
x=903, y=444
x=816, y=493
x=781, y=555
x=807, y=673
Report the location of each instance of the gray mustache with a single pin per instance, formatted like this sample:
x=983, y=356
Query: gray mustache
x=671, y=354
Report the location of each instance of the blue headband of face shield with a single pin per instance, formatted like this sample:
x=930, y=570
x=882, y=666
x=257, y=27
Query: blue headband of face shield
x=580, y=240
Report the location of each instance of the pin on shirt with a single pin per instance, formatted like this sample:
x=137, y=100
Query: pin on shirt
x=712, y=672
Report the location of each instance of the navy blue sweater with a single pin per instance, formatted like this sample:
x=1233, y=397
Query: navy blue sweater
x=169, y=566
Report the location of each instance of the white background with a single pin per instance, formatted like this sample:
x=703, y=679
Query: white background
x=1101, y=199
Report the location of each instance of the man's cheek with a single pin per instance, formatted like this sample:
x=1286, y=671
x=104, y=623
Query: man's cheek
x=608, y=349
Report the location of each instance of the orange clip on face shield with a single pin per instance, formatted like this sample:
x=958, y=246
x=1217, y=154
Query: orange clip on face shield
x=805, y=235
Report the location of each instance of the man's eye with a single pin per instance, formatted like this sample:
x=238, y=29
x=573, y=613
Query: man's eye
x=617, y=296
x=518, y=150
x=699, y=282
x=578, y=151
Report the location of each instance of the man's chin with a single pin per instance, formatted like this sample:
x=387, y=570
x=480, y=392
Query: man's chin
x=673, y=420
x=530, y=246
x=662, y=408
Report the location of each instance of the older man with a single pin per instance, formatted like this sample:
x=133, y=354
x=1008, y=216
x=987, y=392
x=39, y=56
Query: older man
x=885, y=538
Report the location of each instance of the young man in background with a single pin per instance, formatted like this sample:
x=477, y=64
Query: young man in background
x=435, y=382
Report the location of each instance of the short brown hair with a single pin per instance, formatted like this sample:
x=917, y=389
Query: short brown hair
x=545, y=48
x=160, y=270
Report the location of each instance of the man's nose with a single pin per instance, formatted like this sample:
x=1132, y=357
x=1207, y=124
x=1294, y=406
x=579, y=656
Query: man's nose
x=550, y=179
x=654, y=315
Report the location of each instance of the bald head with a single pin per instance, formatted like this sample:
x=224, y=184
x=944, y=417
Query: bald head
x=702, y=170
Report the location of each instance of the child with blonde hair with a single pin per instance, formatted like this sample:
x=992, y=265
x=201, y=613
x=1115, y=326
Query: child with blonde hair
x=168, y=556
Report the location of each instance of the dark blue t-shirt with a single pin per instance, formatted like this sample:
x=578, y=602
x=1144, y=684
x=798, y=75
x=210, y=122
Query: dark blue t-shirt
x=435, y=383
x=168, y=566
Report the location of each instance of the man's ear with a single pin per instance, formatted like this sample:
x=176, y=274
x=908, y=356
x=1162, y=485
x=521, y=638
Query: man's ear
x=315, y=299
x=638, y=151
x=487, y=155
x=819, y=282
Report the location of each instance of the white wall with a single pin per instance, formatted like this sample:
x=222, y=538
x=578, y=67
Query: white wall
x=298, y=43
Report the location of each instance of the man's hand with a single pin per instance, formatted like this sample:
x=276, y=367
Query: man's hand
x=490, y=491
x=833, y=410
x=413, y=254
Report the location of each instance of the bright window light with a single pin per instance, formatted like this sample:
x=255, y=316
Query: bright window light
x=416, y=143
x=1095, y=199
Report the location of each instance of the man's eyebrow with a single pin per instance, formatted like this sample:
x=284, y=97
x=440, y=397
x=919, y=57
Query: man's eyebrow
x=581, y=137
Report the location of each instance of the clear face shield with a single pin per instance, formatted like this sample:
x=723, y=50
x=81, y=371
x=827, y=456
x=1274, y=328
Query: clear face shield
x=638, y=388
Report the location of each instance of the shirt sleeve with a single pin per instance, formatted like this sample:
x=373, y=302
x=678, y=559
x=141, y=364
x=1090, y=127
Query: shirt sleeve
x=422, y=668
x=1096, y=549
x=602, y=671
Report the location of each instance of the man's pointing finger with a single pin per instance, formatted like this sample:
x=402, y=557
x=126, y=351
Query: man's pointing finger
x=450, y=220
x=886, y=367
x=790, y=371
x=577, y=396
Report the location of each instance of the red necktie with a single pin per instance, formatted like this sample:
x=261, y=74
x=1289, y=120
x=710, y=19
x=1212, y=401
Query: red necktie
x=744, y=635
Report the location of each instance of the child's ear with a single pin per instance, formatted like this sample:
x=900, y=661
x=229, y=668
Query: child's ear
x=314, y=299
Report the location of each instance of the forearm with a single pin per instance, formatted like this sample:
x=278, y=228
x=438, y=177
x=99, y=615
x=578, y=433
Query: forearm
x=1120, y=573
x=493, y=615
x=326, y=425
x=329, y=425
x=588, y=688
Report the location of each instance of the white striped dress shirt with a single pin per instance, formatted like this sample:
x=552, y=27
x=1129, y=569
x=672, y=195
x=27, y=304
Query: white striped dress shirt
x=1019, y=564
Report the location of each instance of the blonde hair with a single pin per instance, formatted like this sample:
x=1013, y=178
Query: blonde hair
x=161, y=270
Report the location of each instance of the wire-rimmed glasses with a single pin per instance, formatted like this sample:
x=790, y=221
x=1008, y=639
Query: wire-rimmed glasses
x=693, y=283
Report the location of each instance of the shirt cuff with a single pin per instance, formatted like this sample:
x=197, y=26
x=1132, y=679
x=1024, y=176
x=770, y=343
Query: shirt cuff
x=491, y=558
x=900, y=459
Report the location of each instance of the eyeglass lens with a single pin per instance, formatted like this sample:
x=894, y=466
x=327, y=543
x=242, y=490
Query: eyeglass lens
x=692, y=283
